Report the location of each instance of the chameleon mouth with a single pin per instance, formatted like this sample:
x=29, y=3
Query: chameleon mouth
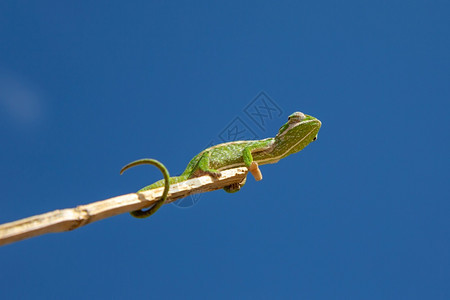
x=313, y=120
x=293, y=125
x=319, y=124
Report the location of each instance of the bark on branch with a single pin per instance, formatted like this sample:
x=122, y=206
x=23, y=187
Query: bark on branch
x=72, y=218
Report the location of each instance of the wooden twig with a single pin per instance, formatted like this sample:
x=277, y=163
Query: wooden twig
x=72, y=218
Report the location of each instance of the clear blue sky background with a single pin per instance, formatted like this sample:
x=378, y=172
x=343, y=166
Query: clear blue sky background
x=363, y=213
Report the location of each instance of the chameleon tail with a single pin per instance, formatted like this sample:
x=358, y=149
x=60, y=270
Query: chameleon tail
x=147, y=213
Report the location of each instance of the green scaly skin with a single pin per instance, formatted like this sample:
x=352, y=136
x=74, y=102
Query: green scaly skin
x=296, y=134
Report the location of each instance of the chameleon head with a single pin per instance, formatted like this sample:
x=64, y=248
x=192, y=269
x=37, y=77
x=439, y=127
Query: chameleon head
x=297, y=133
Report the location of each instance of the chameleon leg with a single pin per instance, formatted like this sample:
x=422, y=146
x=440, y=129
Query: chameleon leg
x=251, y=165
x=147, y=213
x=203, y=167
x=235, y=187
x=256, y=172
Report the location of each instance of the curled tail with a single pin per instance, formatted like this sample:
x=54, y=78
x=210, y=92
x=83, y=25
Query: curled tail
x=166, y=182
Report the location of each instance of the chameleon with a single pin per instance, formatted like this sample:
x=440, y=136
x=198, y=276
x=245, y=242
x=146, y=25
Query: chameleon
x=299, y=131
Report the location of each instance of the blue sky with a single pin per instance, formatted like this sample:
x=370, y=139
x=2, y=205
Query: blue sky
x=362, y=213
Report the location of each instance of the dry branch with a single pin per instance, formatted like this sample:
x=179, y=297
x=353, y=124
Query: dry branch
x=72, y=218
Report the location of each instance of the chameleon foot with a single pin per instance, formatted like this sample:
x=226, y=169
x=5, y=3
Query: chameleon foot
x=256, y=172
x=214, y=174
x=235, y=187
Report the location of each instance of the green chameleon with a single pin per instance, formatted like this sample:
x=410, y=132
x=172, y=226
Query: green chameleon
x=296, y=134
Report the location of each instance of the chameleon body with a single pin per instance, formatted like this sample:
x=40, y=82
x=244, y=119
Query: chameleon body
x=296, y=134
